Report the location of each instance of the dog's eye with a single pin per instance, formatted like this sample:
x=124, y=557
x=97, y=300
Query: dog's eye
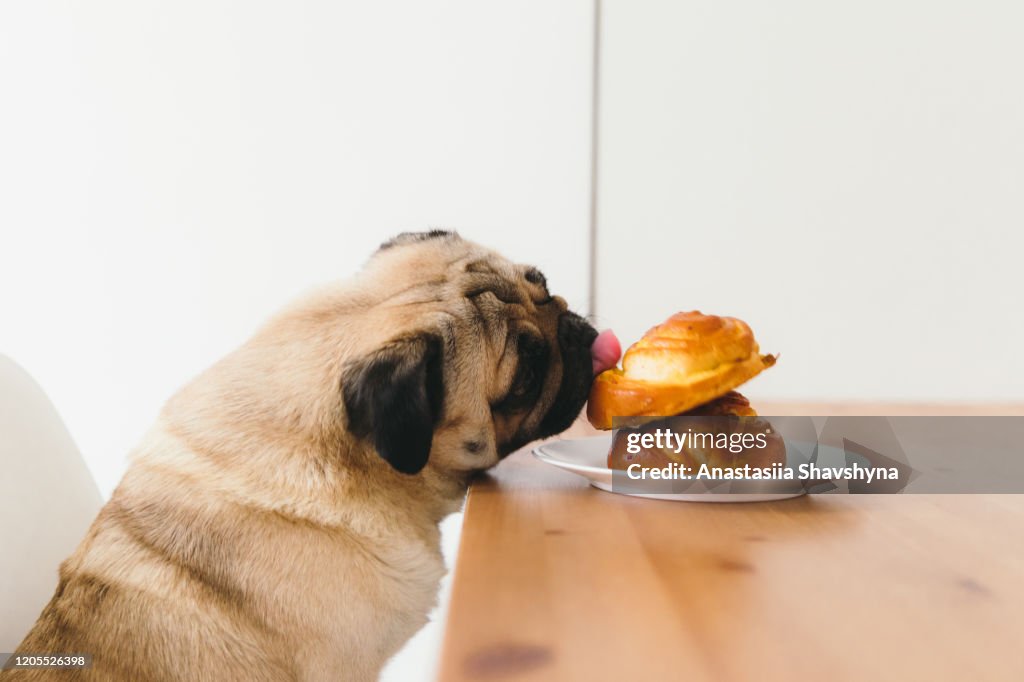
x=522, y=392
x=529, y=376
x=524, y=381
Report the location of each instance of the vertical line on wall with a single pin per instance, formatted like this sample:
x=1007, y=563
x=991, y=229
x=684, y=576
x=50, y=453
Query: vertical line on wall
x=595, y=96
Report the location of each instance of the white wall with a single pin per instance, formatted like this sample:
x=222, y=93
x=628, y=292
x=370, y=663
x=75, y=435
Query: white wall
x=846, y=176
x=173, y=172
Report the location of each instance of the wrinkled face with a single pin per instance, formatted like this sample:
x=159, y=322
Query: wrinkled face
x=475, y=356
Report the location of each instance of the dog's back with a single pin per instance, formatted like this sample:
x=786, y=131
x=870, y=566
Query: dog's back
x=179, y=580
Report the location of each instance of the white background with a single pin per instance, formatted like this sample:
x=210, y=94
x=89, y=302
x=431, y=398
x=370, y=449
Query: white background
x=173, y=172
x=844, y=176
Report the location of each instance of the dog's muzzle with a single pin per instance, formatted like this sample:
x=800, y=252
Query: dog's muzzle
x=575, y=337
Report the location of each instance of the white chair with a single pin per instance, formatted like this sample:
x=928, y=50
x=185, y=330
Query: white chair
x=47, y=501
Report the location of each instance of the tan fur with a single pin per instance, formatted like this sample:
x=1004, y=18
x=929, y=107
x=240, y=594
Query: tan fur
x=253, y=537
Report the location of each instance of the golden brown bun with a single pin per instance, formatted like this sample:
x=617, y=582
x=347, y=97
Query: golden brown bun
x=714, y=417
x=688, y=360
x=731, y=404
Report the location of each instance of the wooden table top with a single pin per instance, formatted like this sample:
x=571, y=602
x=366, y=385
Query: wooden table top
x=556, y=580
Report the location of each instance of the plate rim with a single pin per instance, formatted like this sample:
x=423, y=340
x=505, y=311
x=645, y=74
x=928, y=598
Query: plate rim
x=547, y=457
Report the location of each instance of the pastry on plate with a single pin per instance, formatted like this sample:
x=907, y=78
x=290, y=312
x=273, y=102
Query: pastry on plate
x=690, y=361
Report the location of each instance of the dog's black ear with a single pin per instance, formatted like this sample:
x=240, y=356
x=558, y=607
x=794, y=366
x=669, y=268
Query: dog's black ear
x=395, y=396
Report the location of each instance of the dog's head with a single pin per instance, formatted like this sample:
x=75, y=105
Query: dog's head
x=463, y=357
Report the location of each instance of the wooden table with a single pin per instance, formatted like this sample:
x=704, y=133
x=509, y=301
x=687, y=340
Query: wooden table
x=556, y=580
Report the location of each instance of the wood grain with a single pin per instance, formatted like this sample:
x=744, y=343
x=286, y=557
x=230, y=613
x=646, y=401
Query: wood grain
x=559, y=581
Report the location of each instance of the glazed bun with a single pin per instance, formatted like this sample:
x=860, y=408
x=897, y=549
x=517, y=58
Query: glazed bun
x=732, y=404
x=687, y=361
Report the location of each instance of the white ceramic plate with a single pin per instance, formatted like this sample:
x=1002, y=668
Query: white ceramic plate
x=588, y=458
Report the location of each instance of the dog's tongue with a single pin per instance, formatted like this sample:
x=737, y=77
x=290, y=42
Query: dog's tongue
x=605, y=351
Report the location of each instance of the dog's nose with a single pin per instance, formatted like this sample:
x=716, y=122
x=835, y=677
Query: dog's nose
x=574, y=332
x=575, y=337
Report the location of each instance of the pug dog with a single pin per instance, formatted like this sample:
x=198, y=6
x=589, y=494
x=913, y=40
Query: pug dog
x=280, y=520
